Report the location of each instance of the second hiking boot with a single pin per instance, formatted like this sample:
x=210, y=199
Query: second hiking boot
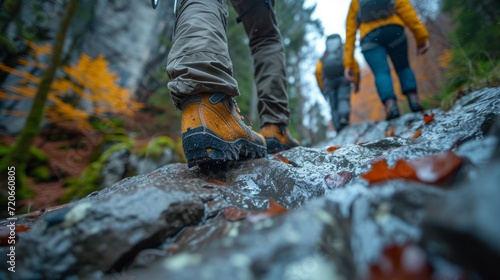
x=414, y=102
x=391, y=109
x=278, y=138
x=343, y=122
x=213, y=132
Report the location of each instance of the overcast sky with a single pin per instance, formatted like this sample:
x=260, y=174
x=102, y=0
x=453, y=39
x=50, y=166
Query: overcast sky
x=332, y=13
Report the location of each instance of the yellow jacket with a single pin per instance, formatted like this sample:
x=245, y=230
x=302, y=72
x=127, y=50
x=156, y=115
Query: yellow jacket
x=405, y=16
x=319, y=74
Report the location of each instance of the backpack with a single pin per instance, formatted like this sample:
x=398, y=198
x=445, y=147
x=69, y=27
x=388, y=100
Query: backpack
x=375, y=9
x=333, y=61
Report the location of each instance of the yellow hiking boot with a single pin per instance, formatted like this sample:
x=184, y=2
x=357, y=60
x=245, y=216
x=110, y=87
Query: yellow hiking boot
x=278, y=138
x=213, y=132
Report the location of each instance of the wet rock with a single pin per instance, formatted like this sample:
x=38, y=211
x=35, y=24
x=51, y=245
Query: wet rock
x=122, y=162
x=180, y=223
x=334, y=181
x=143, y=165
x=114, y=169
x=465, y=228
x=278, y=248
x=104, y=232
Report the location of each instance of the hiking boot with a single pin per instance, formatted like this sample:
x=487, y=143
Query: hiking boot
x=278, y=138
x=391, y=109
x=213, y=132
x=414, y=102
x=343, y=122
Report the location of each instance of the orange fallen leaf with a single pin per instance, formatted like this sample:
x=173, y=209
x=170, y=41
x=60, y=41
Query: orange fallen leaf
x=407, y=262
x=429, y=169
x=22, y=228
x=235, y=214
x=428, y=118
x=332, y=149
x=436, y=168
x=381, y=171
x=416, y=134
x=361, y=143
x=217, y=182
x=273, y=210
x=390, y=132
x=36, y=215
x=280, y=157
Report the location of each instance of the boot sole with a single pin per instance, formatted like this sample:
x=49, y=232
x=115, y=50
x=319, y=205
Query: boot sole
x=274, y=146
x=203, y=147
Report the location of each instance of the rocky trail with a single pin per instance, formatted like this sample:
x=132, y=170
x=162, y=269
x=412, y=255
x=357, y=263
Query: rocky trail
x=413, y=198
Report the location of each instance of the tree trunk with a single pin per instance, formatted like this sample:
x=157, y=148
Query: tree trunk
x=18, y=157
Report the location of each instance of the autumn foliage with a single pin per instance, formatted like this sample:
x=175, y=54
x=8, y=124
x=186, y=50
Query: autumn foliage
x=87, y=88
x=235, y=214
x=332, y=149
x=428, y=118
x=429, y=169
x=400, y=262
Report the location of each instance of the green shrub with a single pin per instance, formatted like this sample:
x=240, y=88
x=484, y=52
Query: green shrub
x=155, y=147
x=467, y=73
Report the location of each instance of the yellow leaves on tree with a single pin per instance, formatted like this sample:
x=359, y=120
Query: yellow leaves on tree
x=88, y=88
x=445, y=58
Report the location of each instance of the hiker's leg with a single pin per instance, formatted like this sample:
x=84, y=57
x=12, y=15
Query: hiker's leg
x=199, y=60
x=330, y=96
x=333, y=99
x=343, y=97
x=265, y=41
x=376, y=57
x=397, y=50
x=202, y=87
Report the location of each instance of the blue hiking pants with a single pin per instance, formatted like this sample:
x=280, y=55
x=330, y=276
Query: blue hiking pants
x=376, y=45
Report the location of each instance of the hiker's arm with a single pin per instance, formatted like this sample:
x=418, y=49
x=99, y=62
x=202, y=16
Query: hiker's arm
x=319, y=74
x=407, y=13
x=357, y=76
x=350, y=33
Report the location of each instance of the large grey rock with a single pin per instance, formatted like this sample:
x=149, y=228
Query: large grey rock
x=146, y=164
x=103, y=232
x=466, y=227
x=172, y=223
x=115, y=167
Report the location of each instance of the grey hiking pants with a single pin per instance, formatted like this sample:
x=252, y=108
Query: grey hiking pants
x=199, y=59
x=338, y=92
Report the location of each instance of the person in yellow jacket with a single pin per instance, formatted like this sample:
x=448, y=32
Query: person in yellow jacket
x=381, y=24
x=332, y=83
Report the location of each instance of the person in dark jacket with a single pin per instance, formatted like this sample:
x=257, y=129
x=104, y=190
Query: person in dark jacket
x=332, y=83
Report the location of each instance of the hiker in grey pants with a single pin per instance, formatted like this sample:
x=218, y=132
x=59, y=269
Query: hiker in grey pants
x=204, y=65
x=334, y=86
x=338, y=93
x=202, y=84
